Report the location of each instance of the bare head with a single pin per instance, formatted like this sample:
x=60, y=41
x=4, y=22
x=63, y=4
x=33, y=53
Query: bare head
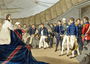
x=59, y=22
x=42, y=25
x=8, y=17
x=86, y=19
x=64, y=20
x=33, y=26
x=19, y=26
x=78, y=21
x=71, y=20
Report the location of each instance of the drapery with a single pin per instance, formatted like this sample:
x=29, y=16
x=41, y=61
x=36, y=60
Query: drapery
x=17, y=52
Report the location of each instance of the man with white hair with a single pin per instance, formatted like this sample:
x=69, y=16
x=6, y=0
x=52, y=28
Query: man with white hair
x=66, y=37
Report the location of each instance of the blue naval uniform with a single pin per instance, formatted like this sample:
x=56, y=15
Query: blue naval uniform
x=59, y=31
x=32, y=31
x=65, y=28
x=45, y=31
x=73, y=30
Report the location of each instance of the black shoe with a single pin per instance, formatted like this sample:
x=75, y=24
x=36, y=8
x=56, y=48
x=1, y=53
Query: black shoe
x=55, y=50
x=44, y=48
x=61, y=54
x=67, y=54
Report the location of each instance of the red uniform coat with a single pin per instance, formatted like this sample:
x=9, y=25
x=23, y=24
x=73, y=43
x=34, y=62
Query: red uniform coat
x=86, y=31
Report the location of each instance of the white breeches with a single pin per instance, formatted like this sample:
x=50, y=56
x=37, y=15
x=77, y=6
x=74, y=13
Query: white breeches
x=72, y=40
x=31, y=39
x=42, y=42
x=67, y=42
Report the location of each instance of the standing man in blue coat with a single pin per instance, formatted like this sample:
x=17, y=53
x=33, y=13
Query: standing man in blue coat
x=32, y=31
x=65, y=37
x=43, y=32
x=73, y=32
x=58, y=35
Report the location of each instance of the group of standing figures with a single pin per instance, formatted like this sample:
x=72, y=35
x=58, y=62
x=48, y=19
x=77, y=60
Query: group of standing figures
x=70, y=35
